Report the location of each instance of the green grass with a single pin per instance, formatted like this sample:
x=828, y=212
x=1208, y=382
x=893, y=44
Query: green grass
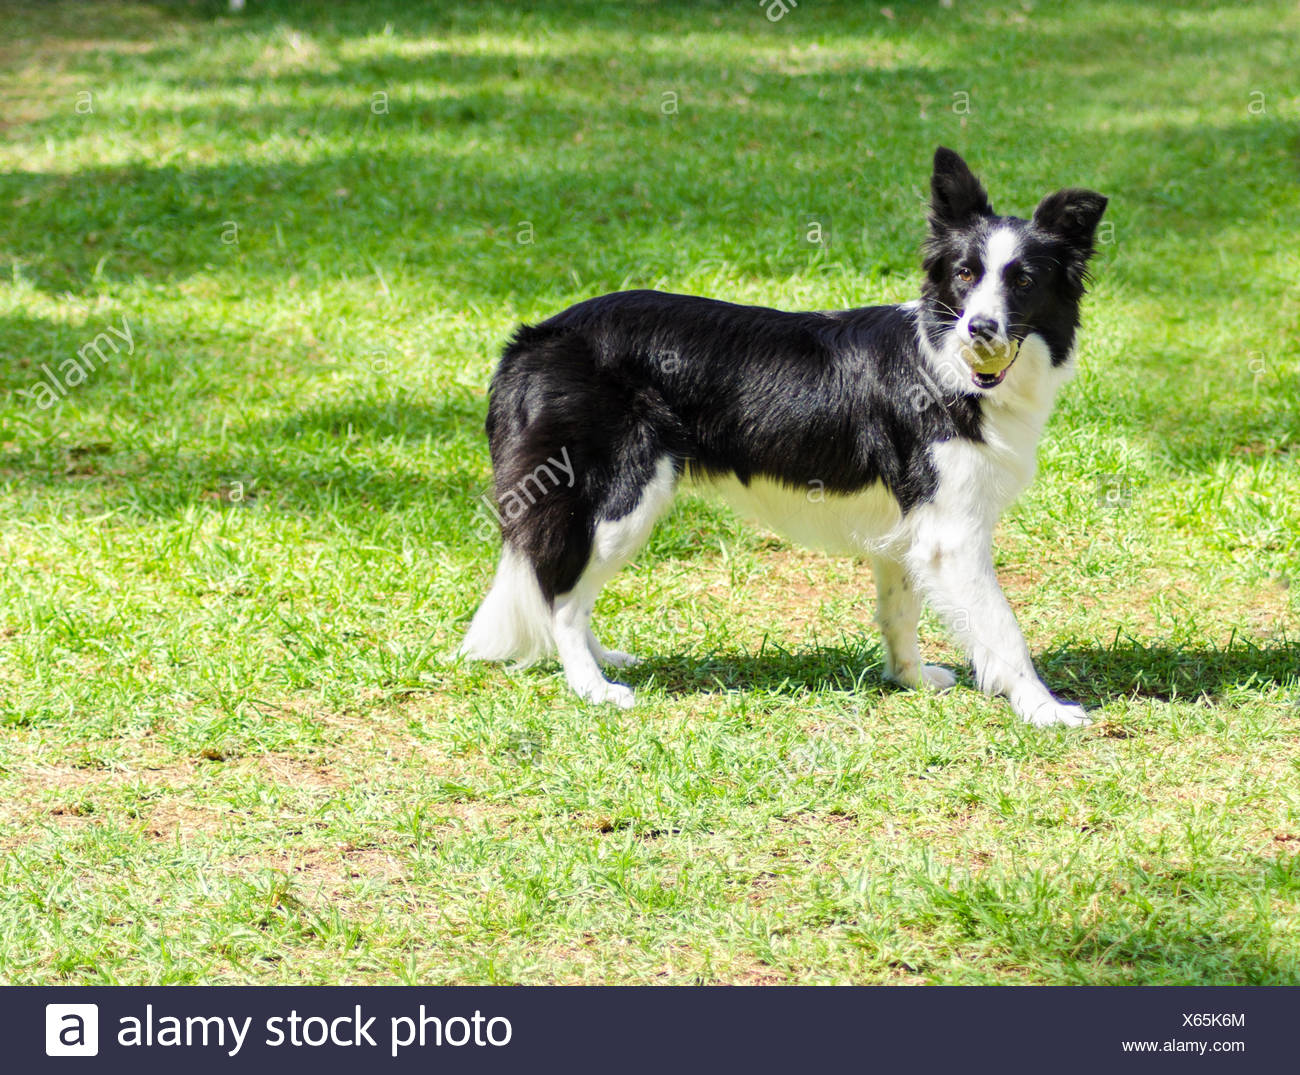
x=234, y=746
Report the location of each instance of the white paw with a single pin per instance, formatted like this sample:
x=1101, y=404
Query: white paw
x=923, y=676
x=1049, y=713
x=618, y=659
x=600, y=693
x=937, y=678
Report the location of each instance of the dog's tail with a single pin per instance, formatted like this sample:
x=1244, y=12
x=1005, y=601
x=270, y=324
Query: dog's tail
x=514, y=620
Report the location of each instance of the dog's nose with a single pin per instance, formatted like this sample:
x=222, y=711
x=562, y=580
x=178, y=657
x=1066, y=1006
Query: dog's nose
x=983, y=329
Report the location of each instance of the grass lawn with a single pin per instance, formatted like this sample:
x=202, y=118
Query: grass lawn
x=238, y=555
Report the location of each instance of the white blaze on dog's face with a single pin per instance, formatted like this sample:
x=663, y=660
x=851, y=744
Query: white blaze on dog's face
x=984, y=326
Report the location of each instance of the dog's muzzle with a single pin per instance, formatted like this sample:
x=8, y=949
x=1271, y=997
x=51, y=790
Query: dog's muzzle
x=990, y=361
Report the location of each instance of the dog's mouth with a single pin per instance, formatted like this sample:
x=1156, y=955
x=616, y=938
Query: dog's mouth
x=989, y=364
x=991, y=380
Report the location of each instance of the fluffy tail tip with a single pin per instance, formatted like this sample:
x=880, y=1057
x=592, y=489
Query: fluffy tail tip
x=514, y=620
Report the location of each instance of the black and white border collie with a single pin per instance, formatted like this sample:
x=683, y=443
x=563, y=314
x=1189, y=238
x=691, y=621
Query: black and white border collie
x=900, y=433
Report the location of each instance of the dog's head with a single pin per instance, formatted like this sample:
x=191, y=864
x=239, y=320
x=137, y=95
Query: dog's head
x=992, y=282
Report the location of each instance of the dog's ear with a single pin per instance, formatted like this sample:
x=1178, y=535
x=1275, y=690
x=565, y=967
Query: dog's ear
x=1072, y=214
x=956, y=196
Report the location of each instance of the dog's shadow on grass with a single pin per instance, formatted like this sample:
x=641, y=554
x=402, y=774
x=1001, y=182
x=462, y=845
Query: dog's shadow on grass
x=1093, y=676
x=772, y=670
x=1131, y=668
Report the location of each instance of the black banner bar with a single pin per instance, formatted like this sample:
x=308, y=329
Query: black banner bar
x=653, y=1030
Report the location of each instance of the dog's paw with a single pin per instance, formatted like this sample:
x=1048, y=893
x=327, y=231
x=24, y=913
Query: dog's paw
x=618, y=659
x=923, y=677
x=937, y=678
x=602, y=693
x=1058, y=713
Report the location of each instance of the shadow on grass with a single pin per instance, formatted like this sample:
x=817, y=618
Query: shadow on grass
x=849, y=670
x=323, y=459
x=1090, y=676
x=1202, y=949
x=1135, y=669
x=1163, y=923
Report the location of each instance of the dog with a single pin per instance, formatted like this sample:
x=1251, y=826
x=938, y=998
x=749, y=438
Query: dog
x=898, y=433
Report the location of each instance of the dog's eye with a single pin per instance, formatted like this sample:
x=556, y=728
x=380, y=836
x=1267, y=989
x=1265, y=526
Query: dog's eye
x=1024, y=281
x=964, y=275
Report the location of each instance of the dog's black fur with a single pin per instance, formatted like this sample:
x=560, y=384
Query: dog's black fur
x=627, y=378
x=909, y=420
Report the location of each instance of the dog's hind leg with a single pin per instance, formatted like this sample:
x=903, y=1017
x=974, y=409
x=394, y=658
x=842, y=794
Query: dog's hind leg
x=614, y=543
x=572, y=626
x=898, y=611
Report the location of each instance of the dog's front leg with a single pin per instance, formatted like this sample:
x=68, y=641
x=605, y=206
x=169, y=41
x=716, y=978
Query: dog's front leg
x=956, y=574
x=898, y=611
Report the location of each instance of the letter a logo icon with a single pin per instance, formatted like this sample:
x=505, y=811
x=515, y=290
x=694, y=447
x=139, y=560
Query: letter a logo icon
x=72, y=1030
